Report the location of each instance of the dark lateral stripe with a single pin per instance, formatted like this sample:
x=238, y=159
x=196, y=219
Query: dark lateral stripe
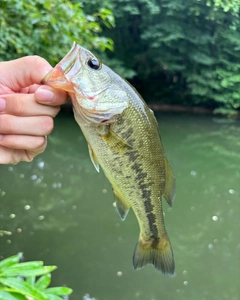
x=152, y=225
x=132, y=155
x=148, y=205
x=127, y=134
x=144, y=185
x=146, y=194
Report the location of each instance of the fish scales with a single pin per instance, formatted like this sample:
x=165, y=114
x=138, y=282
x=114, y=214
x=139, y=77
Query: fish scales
x=144, y=171
x=123, y=138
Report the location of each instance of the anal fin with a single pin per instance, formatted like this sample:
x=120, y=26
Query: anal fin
x=122, y=205
x=93, y=158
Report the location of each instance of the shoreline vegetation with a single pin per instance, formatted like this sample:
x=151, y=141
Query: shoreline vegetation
x=191, y=109
x=182, y=53
x=162, y=107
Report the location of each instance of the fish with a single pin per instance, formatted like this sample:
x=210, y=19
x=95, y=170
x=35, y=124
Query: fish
x=124, y=140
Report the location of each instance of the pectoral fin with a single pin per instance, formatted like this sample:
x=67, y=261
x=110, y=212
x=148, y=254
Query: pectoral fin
x=170, y=186
x=114, y=141
x=93, y=158
x=122, y=205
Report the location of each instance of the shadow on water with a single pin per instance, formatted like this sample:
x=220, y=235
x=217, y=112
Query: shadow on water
x=59, y=210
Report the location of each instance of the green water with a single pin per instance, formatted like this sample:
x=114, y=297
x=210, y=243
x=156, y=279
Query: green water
x=59, y=210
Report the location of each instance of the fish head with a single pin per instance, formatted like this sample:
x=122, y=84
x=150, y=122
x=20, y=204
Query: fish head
x=91, y=85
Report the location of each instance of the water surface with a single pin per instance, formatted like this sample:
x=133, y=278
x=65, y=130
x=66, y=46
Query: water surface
x=59, y=210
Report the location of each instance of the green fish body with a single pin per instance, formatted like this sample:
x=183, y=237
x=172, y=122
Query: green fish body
x=123, y=138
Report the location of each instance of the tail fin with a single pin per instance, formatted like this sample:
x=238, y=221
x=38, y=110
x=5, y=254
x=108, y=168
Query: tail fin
x=157, y=253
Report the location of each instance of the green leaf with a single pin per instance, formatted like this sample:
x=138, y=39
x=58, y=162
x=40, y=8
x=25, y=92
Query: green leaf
x=10, y=295
x=43, y=282
x=60, y=291
x=31, y=280
x=34, y=268
x=47, y=25
x=10, y=261
x=22, y=287
x=7, y=296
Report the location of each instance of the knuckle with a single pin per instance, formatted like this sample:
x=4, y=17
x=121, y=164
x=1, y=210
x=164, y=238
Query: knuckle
x=41, y=66
x=47, y=125
x=12, y=141
x=6, y=124
x=37, y=60
x=40, y=144
x=27, y=156
x=56, y=111
x=1, y=123
x=17, y=107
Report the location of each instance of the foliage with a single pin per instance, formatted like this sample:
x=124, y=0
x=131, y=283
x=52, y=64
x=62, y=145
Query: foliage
x=18, y=281
x=48, y=28
x=179, y=51
x=182, y=51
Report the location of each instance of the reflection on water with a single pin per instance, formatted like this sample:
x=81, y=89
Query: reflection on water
x=59, y=209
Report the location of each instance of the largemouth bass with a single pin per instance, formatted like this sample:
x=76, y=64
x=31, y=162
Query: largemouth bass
x=123, y=138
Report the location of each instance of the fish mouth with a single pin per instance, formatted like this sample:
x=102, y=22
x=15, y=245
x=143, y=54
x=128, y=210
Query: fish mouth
x=56, y=78
x=59, y=77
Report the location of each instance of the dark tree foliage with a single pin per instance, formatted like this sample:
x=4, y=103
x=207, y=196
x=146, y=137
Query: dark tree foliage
x=182, y=51
x=177, y=52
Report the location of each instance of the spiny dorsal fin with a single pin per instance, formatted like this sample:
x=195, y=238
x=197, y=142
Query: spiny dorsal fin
x=122, y=205
x=170, y=185
x=93, y=158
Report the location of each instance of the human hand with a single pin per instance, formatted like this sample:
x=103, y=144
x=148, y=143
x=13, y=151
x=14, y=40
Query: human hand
x=26, y=108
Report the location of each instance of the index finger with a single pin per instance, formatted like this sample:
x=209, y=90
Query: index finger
x=23, y=72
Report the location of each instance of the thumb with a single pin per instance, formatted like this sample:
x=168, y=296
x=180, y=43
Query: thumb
x=23, y=72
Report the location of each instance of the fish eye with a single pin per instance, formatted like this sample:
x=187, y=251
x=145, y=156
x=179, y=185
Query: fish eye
x=93, y=63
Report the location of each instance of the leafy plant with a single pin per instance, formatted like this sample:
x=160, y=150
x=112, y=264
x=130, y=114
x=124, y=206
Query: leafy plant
x=48, y=28
x=177, y=52
x=182, y=51
x=28, y=281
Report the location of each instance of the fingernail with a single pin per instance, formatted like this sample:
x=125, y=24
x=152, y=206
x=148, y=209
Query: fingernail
x=44, y=94
x=2, y=104
x=1, y=136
